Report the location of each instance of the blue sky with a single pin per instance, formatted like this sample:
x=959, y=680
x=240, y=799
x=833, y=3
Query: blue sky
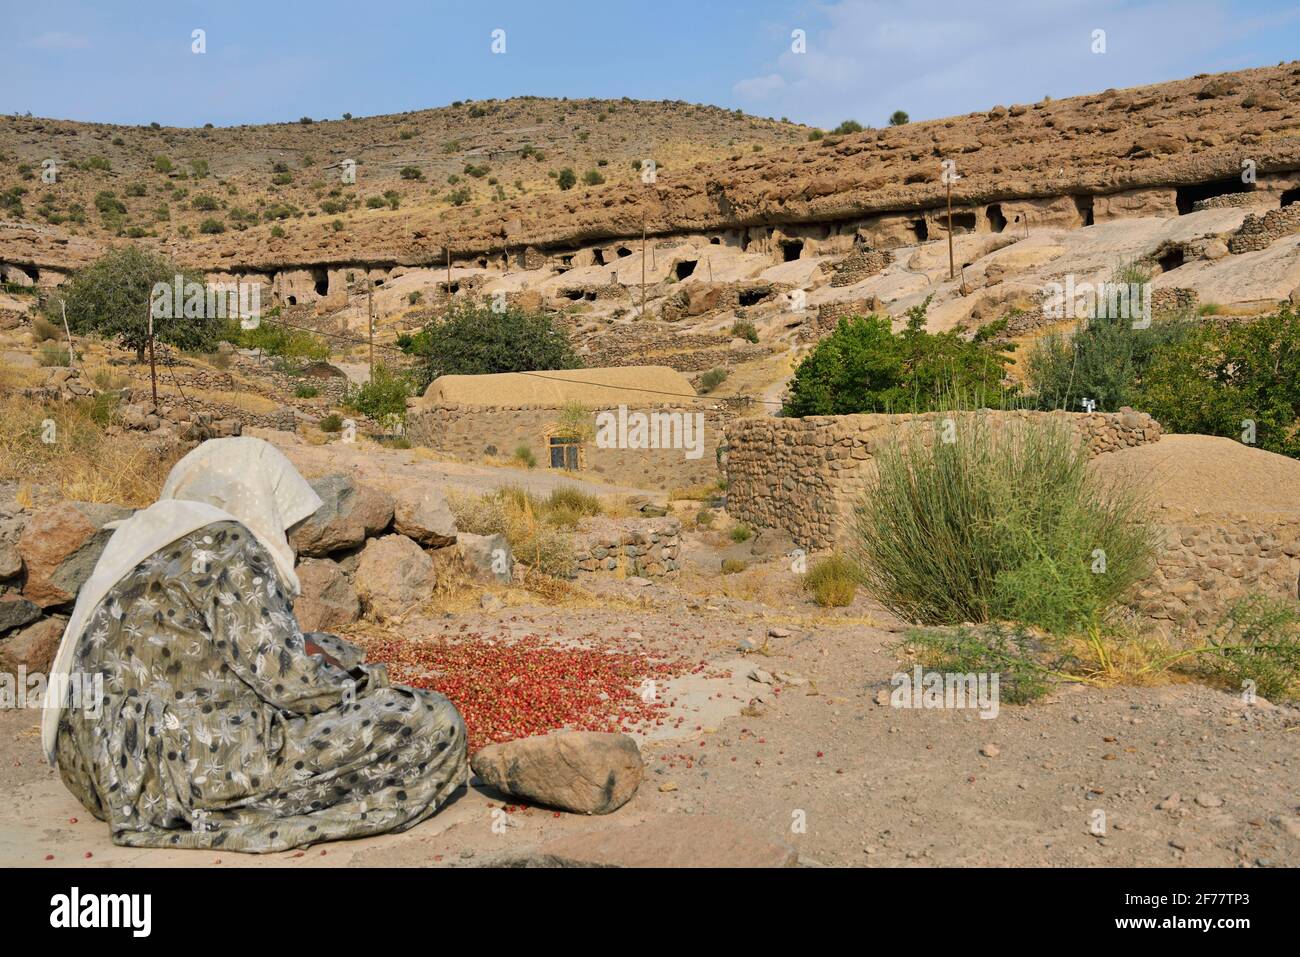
x=124, y=62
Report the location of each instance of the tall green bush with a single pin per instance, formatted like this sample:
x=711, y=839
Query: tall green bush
x=1005, y=521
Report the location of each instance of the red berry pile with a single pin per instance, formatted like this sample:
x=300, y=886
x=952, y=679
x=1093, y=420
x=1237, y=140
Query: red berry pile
x=509, y=689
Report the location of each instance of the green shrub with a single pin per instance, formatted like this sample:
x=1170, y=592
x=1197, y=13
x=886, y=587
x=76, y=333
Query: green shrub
x=278, y=340
x=848, y=126
x=863, y=366
x=1004, y=522
x=744, y=329
x=1258, y=640
x=833, y=580
x=383, y=398
x=524, y=456
x=733, y=566
x=712, y=379
x=212, y=226
x=593, y=177
x=566, y=179
x=306, y=392
x=569, y=500
x=472, y=339
x=705, y=518
x=43, y=330
x=332, y=423
x=899, y=118
x=740, y=532
x=1023, y=662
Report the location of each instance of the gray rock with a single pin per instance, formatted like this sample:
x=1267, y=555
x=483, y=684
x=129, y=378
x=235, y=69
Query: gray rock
x=11, y=560
x=348, y=515
x=16, y=611
x=423, y=514
x=393, y=576
x=488, y=557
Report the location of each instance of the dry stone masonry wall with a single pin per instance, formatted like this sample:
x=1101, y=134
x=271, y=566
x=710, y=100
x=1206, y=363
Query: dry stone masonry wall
x=805, y=476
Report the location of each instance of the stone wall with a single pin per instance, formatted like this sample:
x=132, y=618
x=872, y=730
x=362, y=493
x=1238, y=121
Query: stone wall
x=473, y=432
x=647, y=548
x=805, y=476
x=1260, y=232
x=1210, y=562
x=858, y=265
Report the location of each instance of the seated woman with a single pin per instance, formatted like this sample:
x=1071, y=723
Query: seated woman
x=222, y=725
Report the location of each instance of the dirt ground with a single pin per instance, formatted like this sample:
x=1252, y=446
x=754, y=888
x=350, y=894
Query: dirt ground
x=828, y=767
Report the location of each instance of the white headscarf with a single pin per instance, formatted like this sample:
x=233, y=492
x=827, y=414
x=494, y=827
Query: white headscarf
x=253, y=481
x=245, y=480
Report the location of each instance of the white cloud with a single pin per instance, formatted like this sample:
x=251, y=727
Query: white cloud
x=946, y=57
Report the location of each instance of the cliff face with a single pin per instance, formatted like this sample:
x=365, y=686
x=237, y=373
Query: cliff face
x=1178, y=134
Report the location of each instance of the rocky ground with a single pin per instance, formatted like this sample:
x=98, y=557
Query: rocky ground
x=786, y=744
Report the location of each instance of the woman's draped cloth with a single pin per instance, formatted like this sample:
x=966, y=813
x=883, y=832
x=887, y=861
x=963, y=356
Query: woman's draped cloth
x=217, y=729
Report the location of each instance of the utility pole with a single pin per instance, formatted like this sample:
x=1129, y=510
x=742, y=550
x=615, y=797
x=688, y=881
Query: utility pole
x=643, y=267
x=952, y=272
x=72, y=355
x=449, y=271
x=370, y=310
x=153, y=368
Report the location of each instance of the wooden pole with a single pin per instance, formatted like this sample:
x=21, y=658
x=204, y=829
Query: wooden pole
x=370, y=310
x=449, y=272
x=642, y=268
x=153, y=368
x=952, y=273
x=72, y=355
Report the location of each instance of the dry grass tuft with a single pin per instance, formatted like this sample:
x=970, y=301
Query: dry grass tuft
x=83, y=462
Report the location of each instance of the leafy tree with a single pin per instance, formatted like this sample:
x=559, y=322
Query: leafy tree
x=848, y=126
x=472, y=339
x=1221, y=375
x=113, y=295
x=899, y=118
x=863, y=366
x=566, y=178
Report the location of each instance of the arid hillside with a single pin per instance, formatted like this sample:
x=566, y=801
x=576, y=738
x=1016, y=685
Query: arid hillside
x=279, y=199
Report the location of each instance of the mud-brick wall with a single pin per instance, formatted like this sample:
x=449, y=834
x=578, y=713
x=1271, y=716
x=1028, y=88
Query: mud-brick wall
x=806, y=476
x=473, y=432
x=1210, y=562
x=645, y=547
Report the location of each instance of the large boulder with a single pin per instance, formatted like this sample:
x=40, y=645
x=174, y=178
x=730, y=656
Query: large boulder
x=33, y=647
x=60, y=546
x=327, y=601
x=423, y=514
x=348, y=514
x=487, y=557
x=393, y=575
x=587, y=772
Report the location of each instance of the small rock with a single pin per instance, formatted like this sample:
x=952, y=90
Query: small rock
x=1206, y=799
x=1171, y=802
x=587, y=772
x=990, y=750
x=761, y=676
x=487, y=557
x=779, y=633
x=668, y=786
